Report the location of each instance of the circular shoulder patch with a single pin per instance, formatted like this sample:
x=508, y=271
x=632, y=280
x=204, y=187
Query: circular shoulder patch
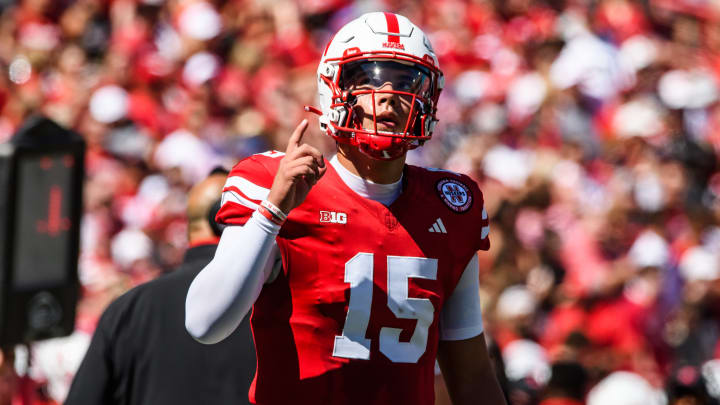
x=455, y=194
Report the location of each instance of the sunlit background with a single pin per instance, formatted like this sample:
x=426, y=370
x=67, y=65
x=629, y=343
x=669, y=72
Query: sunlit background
x=592, y=127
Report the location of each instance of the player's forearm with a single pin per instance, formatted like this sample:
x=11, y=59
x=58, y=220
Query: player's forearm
x=486, y=387
x=224, y=291
x=485, y=390
x=468, y=373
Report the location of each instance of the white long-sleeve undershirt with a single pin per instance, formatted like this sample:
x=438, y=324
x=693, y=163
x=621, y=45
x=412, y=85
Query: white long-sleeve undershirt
x=226, y=288
x=224, y=291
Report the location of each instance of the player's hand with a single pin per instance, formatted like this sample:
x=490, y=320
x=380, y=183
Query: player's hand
x=300, y=168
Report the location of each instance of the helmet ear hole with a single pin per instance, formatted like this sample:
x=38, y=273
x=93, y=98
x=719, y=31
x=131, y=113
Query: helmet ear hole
x=342, y=114
x=338, y=115
x=327, y=70
x=419, y=126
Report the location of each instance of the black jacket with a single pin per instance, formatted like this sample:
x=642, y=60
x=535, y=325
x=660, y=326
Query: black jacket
x=141, y=353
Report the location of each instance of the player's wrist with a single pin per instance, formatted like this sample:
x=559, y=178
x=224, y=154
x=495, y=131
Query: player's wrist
x=274, y=210
x=271, y=211
x=282, y=203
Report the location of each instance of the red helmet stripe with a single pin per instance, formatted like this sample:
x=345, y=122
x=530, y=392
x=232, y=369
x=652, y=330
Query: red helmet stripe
x=393, y=27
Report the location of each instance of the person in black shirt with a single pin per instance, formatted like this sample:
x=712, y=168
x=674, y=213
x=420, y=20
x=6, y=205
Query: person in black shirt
x=142, y=354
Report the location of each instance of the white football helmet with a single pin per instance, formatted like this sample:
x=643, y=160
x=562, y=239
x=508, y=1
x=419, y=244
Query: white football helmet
x=377, y=48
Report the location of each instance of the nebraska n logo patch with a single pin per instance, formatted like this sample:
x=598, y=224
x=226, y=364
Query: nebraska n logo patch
x=455, y=195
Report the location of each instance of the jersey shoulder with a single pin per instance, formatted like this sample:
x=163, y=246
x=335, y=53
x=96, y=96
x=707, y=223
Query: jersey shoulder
x=247, y=184
x=455, y=198
x=258, y=166
x=456, y=191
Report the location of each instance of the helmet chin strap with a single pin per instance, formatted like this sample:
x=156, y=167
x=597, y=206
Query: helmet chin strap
x=314, y=110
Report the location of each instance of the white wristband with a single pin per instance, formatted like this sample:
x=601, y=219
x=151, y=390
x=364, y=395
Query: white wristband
x=277, y=212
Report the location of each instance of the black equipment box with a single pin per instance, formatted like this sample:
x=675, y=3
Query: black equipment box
x=41, y=179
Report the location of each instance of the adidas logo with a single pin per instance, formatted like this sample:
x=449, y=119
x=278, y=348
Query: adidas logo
x=438, y=227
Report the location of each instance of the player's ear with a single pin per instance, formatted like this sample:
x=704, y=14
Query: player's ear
x=212, y=212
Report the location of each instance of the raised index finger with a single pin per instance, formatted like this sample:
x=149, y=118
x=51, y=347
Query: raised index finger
x=296, y=137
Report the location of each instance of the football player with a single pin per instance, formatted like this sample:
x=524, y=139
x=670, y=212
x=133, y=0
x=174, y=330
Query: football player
x=361, y=270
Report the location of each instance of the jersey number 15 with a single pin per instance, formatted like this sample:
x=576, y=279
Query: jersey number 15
x=359, y=273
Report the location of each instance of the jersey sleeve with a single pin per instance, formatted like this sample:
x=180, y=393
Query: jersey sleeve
x=246, y=186
x=461, y=316
x=484, y=240
x=481, y=221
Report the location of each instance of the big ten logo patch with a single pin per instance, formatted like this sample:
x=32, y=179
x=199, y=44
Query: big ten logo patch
x=333, y=217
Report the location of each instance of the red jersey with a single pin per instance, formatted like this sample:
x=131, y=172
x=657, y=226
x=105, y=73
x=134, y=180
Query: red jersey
x=353, y=316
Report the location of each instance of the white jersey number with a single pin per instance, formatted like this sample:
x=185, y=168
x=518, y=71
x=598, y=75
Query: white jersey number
x=359, y=274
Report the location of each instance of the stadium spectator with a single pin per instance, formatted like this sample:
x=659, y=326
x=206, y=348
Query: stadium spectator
x=567, y=385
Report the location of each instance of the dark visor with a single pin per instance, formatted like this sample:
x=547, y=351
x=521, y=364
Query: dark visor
x=367, y=75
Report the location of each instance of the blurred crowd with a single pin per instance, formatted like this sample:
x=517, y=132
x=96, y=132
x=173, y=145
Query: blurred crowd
x=592, y=127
